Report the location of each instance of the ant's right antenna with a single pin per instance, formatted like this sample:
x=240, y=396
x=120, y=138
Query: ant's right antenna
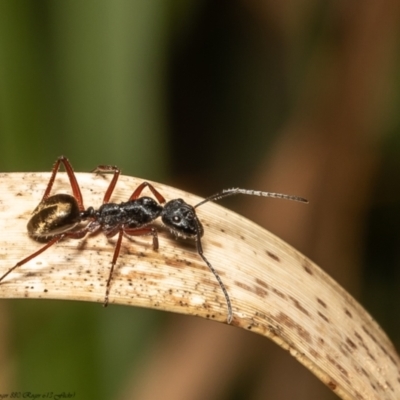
x=217, y=277
x=233, y=191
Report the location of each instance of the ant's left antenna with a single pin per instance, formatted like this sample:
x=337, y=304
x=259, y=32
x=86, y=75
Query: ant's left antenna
x=233, y=191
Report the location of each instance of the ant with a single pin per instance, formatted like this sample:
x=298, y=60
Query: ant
x=179, y=217
x=56, y=216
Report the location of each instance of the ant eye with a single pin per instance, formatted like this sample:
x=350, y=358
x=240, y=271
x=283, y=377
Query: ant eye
x=176, y=218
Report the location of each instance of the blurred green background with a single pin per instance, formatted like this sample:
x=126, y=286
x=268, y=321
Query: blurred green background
x=293, y=96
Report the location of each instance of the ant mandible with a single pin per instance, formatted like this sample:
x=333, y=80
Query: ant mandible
x=177, y=215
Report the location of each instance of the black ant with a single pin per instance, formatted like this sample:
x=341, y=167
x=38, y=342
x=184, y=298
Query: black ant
x=56, y=216
x=131, y=218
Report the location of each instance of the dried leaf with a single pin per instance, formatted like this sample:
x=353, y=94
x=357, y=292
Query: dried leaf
x=275, y=291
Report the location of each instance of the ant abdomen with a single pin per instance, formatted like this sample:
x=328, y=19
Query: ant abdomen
x=53, y=216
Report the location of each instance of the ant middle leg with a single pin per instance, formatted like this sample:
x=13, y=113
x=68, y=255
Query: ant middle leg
x=109, y=169
x=137, y=192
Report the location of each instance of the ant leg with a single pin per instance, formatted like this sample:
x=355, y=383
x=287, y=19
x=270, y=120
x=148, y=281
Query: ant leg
x=74, y=235
x=218, y=278
x=121, y=232
x=72, y=180
x=141, y=187
x=144, y=232
x=116, y=171
x=54, y=171
x=74, y=184
x=113, y=262
x=33, y=255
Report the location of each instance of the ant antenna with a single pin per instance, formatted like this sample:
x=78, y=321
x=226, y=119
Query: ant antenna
x=218, y=196
x=233, y=191
x=217, y=277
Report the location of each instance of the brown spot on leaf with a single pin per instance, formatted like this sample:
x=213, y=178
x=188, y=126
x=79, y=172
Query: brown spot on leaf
x=383, y=349
x=323, y=304
x=358, y=336
x=244, y=286
x=284, y=319
x=308, y=270
x=314, y=353
x=299, y=306
x=348, y=313
x=279, y=293
x=344, y=349
x=351, y=343
x=273, y=256
x=323, y=317
x=307, y=266
x=364, y=372
x=392, y=359
x=262, y=283
x=261, y=292
x=337, y=365
x=332, y=385
x=389, y=386
x=369, y=334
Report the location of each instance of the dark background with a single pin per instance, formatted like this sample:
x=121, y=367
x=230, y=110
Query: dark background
x=293, y=96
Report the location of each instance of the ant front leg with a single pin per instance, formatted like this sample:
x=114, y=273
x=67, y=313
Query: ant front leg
x=146, y=231
x=121, y=232
x=72, y=180
x=109, y=169
x=113, y=262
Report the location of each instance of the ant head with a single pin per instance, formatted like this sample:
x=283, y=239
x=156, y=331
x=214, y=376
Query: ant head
x=181, y=219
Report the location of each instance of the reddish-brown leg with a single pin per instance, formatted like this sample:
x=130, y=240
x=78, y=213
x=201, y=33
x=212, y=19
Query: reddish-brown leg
x=116, y=171
x=140, y=188
x=146, y=231
x=72, y=179
x=73, y=235
x=133, y=232
x=113, y=262
x=137, y=192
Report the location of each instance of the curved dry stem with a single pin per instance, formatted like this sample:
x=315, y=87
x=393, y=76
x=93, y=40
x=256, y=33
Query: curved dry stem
x=275, y=291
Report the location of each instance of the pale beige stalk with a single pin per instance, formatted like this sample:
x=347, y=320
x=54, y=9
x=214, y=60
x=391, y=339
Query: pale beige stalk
x=275, y=291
